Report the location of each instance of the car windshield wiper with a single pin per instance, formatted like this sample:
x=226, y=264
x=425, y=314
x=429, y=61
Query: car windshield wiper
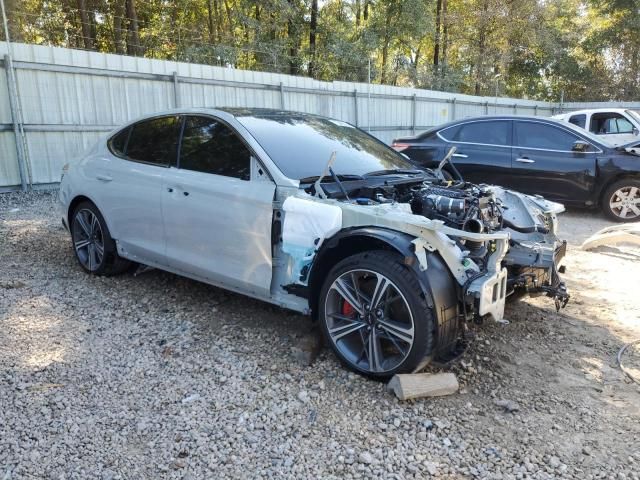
x=395, y=171
x=340, y=176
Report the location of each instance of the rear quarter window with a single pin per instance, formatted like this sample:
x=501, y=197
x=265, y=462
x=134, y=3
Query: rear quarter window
x=154, y=141
x=118, y=143
x=484, y=133
x=449, y=133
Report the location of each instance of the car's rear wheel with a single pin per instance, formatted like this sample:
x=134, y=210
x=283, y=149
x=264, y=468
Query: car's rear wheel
x=621, y=201
x=93, y=246
x=374, y=315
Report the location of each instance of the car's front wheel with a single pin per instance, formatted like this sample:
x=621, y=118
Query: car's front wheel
x=374, y=315
x=621, y=201
x=93, y=246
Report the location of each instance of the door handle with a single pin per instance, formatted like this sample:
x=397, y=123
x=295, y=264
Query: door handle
x=460, y=155
x=525, y=160
x=169, y=189
x=104, y=178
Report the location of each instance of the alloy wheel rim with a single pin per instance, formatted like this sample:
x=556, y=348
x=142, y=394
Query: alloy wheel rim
x=625, y=202
x=369, y=321
x=88, y=240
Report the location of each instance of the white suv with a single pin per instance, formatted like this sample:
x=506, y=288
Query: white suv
x=617, y=125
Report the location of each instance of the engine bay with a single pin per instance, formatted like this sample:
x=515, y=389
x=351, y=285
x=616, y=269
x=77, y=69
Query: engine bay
x=465, y=206
x=534, y=250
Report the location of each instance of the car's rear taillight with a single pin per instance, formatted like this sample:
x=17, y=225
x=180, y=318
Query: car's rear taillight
x=400, y=146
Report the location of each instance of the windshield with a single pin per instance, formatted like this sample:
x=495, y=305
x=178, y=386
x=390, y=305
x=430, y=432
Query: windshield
x=301, y=145
x=635, y=114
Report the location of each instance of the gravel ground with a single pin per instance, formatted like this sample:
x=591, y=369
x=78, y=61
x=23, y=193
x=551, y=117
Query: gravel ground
x=156, y=376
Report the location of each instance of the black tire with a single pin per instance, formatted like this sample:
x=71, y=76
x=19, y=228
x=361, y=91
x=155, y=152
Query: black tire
x=98, y=236
x=611, y=197
x=389, y=265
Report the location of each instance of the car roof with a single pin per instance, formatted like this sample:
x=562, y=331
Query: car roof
x=500, y=117
x=549, y=120
x=485, y=118
x=595, y=110
x=222, y=112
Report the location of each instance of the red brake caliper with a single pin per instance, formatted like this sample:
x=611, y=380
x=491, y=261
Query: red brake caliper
x=347, y=309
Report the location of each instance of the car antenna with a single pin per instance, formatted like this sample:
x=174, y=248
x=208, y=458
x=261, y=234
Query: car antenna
x=327, y=171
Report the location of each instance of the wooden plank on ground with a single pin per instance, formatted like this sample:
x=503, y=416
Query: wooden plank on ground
x=417, y=385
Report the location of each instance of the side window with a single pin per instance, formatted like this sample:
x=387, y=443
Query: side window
x=155, y=141
x=608, y=123
x=210, y=146
x=494, y=133
x=542, y=136
x=623, y=125
x=579, y=120
x=118, y=142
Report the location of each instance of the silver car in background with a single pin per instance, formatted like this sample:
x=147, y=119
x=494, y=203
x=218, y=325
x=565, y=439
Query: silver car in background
x=317, y=216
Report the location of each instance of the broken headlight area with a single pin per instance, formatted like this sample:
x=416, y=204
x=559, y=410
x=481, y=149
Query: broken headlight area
x=535, y=267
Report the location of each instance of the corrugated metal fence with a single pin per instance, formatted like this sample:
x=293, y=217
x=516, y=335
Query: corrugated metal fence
x=64, y=100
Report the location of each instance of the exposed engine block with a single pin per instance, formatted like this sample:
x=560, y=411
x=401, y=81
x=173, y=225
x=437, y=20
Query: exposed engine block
x=470, y=207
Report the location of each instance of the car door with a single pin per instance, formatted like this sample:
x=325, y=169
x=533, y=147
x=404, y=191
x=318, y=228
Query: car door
x=218, y=210
x=131, y=183
x=483, y=152
x=545, y=163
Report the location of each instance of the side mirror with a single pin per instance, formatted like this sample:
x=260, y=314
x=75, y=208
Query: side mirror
x=580, y=146
x=635, y=131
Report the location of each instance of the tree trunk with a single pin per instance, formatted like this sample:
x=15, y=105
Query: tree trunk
x=212, y=34
x=133, y=40
x=259, y=57
x=365, y=15
x=15, y=27
x=313, y=31
x=118, y=13
x=85, y=25
x=216, y=13
x=227, y=8
x=634, y=72
x=385, y=45
x=416, y=59
x=358, y=13
x=436, y=39
x=482, y=38
x=292, y=37
x=247, y=53
x=445, y=34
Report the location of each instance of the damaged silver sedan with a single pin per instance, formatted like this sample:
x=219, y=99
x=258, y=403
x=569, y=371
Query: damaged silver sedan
x=317, y=216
